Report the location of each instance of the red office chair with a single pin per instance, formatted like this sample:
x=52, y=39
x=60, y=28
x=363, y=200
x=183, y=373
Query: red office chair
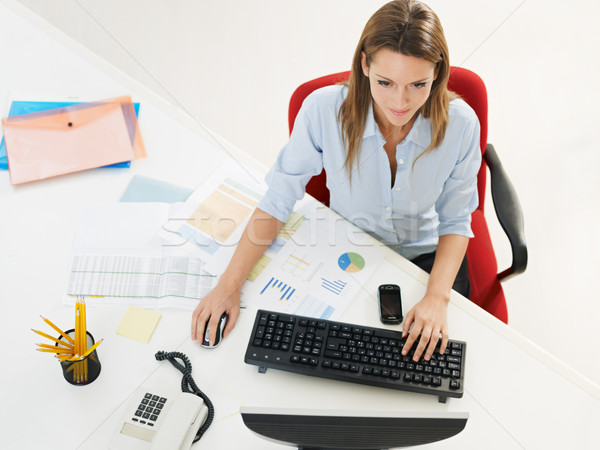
x=486, y=290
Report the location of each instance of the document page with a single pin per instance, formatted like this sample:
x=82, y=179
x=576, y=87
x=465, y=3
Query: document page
x=315, y=267
x=174, y=280
x=118, y=258
x=211, y=221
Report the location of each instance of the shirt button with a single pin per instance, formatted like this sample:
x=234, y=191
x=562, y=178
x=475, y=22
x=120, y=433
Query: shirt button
x=387, y=208
x=391, y=232
x=398, y=188
x=400, y=161
x=388, y=218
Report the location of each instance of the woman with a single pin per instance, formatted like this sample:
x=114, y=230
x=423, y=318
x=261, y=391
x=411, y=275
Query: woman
x=401, y=154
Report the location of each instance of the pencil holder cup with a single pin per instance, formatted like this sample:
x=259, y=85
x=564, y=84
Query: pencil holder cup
x=80, y=373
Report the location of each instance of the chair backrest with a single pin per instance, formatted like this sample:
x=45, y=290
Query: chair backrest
x=462, y=81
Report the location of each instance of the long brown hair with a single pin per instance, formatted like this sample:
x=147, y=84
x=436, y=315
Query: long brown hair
x=413, y=29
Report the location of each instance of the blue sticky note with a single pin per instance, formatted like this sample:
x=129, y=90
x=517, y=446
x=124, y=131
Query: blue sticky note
x=145, y=189
x=17, y=108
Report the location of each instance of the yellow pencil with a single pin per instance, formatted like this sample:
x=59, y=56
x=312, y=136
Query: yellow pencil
x=68, y=338
x=87, y=353
x=83, y=327
x=41, y=333
x=52, y=346
x=63, y=351
x=77, y=368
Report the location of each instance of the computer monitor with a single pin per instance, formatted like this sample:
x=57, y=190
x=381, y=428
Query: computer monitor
x=330, y=429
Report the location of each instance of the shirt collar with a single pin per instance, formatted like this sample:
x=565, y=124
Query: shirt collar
x=371, y=127
x=420, y=133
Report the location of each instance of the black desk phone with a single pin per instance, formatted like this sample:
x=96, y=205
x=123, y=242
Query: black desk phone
x=157, y=421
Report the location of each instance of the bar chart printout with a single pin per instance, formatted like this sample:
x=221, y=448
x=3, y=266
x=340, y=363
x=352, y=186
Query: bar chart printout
x=336, y=287
x=284, y=290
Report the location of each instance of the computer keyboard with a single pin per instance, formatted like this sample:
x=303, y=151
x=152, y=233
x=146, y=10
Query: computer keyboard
x=354, y=353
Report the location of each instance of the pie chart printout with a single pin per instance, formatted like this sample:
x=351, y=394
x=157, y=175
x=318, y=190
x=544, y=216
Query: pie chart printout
x=351, y=262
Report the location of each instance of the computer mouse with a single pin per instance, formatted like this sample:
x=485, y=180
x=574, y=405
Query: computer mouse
x=219, y=335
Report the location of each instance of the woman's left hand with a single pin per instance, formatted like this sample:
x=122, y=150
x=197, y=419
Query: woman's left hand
x=429, y=320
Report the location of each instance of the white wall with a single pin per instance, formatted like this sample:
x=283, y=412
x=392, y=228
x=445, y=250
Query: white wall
x=233, y=65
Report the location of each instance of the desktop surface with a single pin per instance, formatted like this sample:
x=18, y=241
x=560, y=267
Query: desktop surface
x=516, y=395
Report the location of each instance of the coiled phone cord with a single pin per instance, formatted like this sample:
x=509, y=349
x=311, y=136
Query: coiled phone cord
x=189, y=385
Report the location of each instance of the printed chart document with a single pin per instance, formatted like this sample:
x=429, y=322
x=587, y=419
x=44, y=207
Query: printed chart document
x=119, y=259
x=211, y=221
x=316, y=265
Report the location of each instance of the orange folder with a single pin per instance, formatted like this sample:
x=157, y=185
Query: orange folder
x=70, y=139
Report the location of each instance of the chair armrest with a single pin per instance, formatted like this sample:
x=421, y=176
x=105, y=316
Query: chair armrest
x=508, y=211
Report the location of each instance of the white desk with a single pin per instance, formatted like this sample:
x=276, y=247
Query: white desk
x=517, y=395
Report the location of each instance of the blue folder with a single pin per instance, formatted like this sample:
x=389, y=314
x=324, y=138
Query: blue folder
x=18, y=108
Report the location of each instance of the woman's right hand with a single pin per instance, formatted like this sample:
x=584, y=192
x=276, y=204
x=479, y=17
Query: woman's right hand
x=223, y=298
x=261, y=230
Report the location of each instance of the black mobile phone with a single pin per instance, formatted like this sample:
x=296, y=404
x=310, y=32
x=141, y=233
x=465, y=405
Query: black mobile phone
x=390, y=303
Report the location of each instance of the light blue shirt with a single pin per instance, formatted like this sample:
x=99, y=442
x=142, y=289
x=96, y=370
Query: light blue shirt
x=431, y=199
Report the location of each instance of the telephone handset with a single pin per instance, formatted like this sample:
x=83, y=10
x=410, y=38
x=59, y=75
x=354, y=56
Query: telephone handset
x=153, y=421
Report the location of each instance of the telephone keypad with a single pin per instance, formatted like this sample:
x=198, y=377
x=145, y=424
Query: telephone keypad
x=149, y=409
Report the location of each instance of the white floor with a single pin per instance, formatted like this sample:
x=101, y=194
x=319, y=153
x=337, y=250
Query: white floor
x=232, y=65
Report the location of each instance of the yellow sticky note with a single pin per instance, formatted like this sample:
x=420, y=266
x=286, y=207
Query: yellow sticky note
x=138, y=324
